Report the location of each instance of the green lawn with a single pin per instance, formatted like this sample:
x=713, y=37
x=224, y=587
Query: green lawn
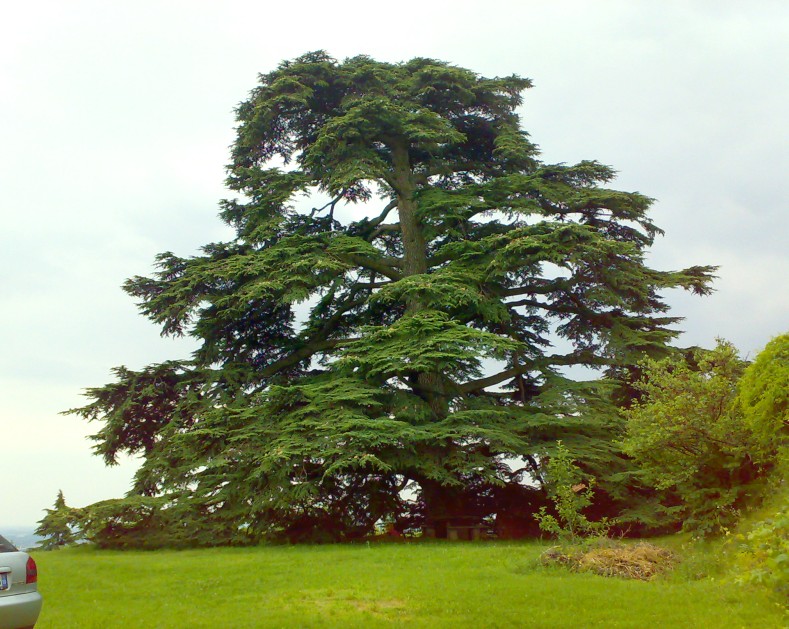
x=416, y=585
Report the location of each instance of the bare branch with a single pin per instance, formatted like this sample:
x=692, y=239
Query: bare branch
x=579, y=357
x=382, y=216
x=304, y=352
x=384, y=266
x=371, y=285
x=547, y=287
x=331, y=204
x=481, y=383
x=386, y=227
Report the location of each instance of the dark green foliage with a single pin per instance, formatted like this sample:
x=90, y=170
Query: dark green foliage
x=425, y=359
x=58, y=527
x=155, y=522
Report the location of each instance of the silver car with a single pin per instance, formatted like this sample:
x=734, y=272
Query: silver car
x=20, y=602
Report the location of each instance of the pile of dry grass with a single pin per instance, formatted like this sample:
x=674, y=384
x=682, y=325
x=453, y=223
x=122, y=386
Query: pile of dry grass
x=631, y=561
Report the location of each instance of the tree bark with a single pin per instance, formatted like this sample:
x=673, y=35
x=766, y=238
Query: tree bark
x=414, y=245
x=429, y=385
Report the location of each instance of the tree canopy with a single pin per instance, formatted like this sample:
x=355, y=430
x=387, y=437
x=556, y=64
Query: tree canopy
x=406, y=285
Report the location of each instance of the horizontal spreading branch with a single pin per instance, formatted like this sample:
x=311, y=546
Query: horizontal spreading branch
x=489, y=381
x=382, y=229
x=305, y=351
x=380, y=265
x=581, y=357
x=543, y=288
x=371, y=285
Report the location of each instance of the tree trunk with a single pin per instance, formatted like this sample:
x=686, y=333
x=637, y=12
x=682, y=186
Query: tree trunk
x=429, y=385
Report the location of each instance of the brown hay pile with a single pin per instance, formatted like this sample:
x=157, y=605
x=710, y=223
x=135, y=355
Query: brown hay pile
x=637, y=561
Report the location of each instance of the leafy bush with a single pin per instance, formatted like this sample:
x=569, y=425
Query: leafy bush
x=570, y=494
x=763, y=556
x=763, y=399
x=688, y=436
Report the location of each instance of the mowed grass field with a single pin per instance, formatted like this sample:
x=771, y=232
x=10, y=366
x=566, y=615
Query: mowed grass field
x=487, y=584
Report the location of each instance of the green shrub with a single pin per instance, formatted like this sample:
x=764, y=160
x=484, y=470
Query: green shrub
x=763, y=553
x=570, y=494
x=688, y=437
x=763, y=399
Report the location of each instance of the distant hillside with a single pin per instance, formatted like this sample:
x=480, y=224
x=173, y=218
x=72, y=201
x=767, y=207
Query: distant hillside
x=21, y=537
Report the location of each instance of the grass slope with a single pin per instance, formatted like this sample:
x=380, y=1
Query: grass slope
x=381, y=585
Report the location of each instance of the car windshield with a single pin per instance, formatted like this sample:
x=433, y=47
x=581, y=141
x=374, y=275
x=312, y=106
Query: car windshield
x=6, y=546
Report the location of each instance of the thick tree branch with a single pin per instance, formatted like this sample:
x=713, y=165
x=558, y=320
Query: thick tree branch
x=481, y=383
x=381, y=265
x=371, y=285
x=317, y=343
x=331, y=205
x=382, y=216
x=544, y=288
x=551, y=307
x=387, y=227
x=580, y=357
x=304, y=352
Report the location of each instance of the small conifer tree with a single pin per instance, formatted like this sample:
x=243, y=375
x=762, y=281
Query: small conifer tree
x=57, y=527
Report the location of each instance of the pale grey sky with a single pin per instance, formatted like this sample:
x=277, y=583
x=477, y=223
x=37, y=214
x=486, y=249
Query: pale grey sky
x=115, y=118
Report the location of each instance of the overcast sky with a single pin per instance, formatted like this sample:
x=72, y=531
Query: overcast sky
x=116, y=117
